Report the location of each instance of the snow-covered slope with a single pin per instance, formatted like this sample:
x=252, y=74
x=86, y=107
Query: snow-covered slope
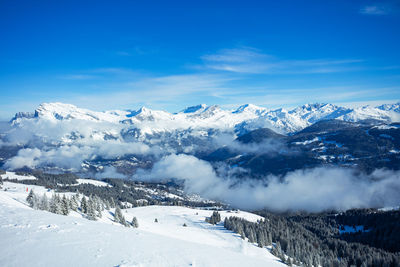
x=39, y=238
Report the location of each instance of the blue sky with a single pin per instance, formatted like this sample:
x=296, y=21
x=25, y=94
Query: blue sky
x=167, y=55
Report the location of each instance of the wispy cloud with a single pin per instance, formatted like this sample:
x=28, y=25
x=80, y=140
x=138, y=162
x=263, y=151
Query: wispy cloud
x=137, y=50
x=253, y=61
x=123, y=53
x=216, y=81
x=77, y=77
x=160, y=92
x=380, y=8
x=374, y=10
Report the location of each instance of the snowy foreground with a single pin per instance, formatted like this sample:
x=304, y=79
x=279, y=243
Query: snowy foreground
x=40, y=238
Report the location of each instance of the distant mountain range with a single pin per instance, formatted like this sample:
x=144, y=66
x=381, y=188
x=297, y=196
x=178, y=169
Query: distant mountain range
x=127, y=140
x=247, y=116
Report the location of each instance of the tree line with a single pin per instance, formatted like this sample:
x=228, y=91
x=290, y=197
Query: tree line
x=293, y=243
x=90, y=207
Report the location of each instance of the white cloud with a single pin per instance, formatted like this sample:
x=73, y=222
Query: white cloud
x=374, y=10
x=109, y=172
x=77, y=77
x=67, y=144
x=312, y=189
x=250, y=60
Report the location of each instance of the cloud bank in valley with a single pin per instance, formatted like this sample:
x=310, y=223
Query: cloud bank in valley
x=312, y=190
x=68, y=144
x=72, y=156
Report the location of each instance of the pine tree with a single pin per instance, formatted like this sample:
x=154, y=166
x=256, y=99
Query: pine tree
x=84, y=206
x=251, y=237
x=91, y=209
x=55, y=204
x=36, y=202
x=65, y=205
x=107, y=204
x=44, y=203
x=112, y=203
x=135, y=223
x=99, y=206
x=215, y=218
x=73, y=203
x=29, y=198
x=260, y=239
x=119, y=218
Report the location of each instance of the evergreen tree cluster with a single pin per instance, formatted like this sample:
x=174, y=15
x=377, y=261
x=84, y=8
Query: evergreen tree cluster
x=214, y=218
x=135, y=193
x=135, y=223
x=90, y=207
x=381, y=228
x=303, y=247
x=119, y=217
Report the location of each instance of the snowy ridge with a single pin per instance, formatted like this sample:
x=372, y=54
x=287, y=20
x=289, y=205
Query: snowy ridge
x=213, y=117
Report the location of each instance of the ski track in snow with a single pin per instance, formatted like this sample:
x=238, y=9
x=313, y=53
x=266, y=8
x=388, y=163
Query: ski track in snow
x=40, y=238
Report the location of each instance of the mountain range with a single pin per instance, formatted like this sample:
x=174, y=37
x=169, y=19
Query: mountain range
x=63, y=137
x=246, y=117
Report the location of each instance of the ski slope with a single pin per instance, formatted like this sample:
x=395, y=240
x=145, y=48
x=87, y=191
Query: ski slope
x=40, y=238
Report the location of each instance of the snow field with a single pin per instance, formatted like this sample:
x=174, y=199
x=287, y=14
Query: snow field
x=40, y=238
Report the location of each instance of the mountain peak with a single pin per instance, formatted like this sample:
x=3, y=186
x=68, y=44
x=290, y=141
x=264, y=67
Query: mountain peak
x=390, y=107
x=194, y=109
x=313, y=106
x=56, y=111
x=143, y=111
x=248, y=107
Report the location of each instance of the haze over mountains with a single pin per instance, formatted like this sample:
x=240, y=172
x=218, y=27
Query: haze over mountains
x=234, y=152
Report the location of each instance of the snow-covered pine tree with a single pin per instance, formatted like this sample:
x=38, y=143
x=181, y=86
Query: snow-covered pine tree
x=84, y=206
x=215, y=218
x=29, y=198
x=91, y=209
x=36, y=202
x=260, y=239
x=134, y=222
x=65, y=205
x=112, y=203
x=73, y=203
x=44, y=203
x=119, y=218
x=55, y=204
x=99, y=206
x=107, y=204
x=251, y=236
x=117, y=215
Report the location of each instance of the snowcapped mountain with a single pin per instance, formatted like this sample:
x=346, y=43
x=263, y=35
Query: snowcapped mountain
x=67, y=138
x=248, y=116
x=61, y=111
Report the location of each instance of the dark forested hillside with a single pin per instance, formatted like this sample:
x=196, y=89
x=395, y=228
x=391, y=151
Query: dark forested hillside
x=352, y=238
x=325, y=143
